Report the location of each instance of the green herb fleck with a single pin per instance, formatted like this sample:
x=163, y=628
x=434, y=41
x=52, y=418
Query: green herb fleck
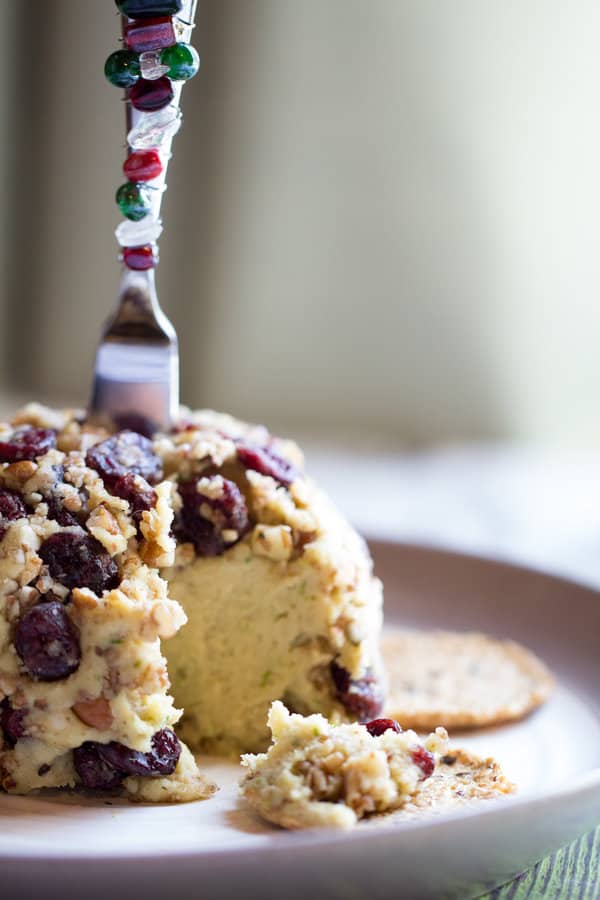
x=265, y=677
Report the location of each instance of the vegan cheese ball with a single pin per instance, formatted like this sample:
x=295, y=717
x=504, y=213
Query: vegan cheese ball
x=109, y=542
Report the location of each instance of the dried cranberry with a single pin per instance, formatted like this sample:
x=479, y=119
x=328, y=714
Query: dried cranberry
x=229, y=506
x=160, y=760
x=78, y=560
x=11, y=505
x=58, y=513
x=424, y=760
x=94, y=772
x=165, y=752
x=362, y=698
x=199, y=532
x=380, y=726
x=11, y=722
x=11, y=508
x=267, y=462
x=27, y=443
x=137, y=492
x=229, y=512
x=125, y=453
x=103, y=766
x=48, y=641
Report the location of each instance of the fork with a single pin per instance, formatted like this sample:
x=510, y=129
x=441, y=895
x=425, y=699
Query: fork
x=136, y=372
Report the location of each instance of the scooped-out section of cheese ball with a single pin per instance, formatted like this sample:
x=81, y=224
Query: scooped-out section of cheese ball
x=316, y=774
x=277, y=587
x=85, y=521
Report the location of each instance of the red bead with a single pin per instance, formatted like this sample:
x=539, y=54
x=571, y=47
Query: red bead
x=149, y=96
x=140, y=258
x=149, y=34
x=142, y=165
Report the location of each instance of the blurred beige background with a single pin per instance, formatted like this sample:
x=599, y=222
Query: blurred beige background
x=381, y=215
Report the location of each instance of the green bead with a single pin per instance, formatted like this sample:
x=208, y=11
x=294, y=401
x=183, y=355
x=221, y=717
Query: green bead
x=122, y=68
x=182, y=60
x=133, y=201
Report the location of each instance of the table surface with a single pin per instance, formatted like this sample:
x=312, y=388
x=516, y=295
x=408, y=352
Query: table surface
x=530, y=506
x=571, y=874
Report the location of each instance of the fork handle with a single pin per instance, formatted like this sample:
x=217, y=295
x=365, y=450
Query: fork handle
x=132, y=116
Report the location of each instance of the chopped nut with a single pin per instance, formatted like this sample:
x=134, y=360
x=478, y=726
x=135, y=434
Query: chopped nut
x=105, y=528
x=101, y=517
x=273, y=541
x=83, y=598
x=72, y=502
x=20, y=472
x=333, y=762
x=356, y=632
x=95, y=713
x=168, y=619
x=31, y=569
x=27, y=596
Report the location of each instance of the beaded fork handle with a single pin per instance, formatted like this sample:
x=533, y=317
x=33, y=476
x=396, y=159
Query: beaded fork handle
x=136, y=381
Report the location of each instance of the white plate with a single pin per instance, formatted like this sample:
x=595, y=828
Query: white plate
x=217, y=848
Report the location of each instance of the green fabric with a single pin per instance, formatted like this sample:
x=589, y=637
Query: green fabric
x=571, y=874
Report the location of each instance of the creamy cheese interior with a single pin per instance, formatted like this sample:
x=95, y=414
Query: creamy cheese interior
x=261, y=627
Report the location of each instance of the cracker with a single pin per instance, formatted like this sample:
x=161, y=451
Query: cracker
x=460, y=680
x=460, y=780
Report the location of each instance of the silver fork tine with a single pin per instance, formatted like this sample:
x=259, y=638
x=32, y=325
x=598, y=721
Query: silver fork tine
x=136, y=379
x=136, y=374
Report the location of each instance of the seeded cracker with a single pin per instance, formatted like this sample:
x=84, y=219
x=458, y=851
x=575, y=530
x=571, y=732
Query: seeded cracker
x=460, y=680
x=460, y=780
